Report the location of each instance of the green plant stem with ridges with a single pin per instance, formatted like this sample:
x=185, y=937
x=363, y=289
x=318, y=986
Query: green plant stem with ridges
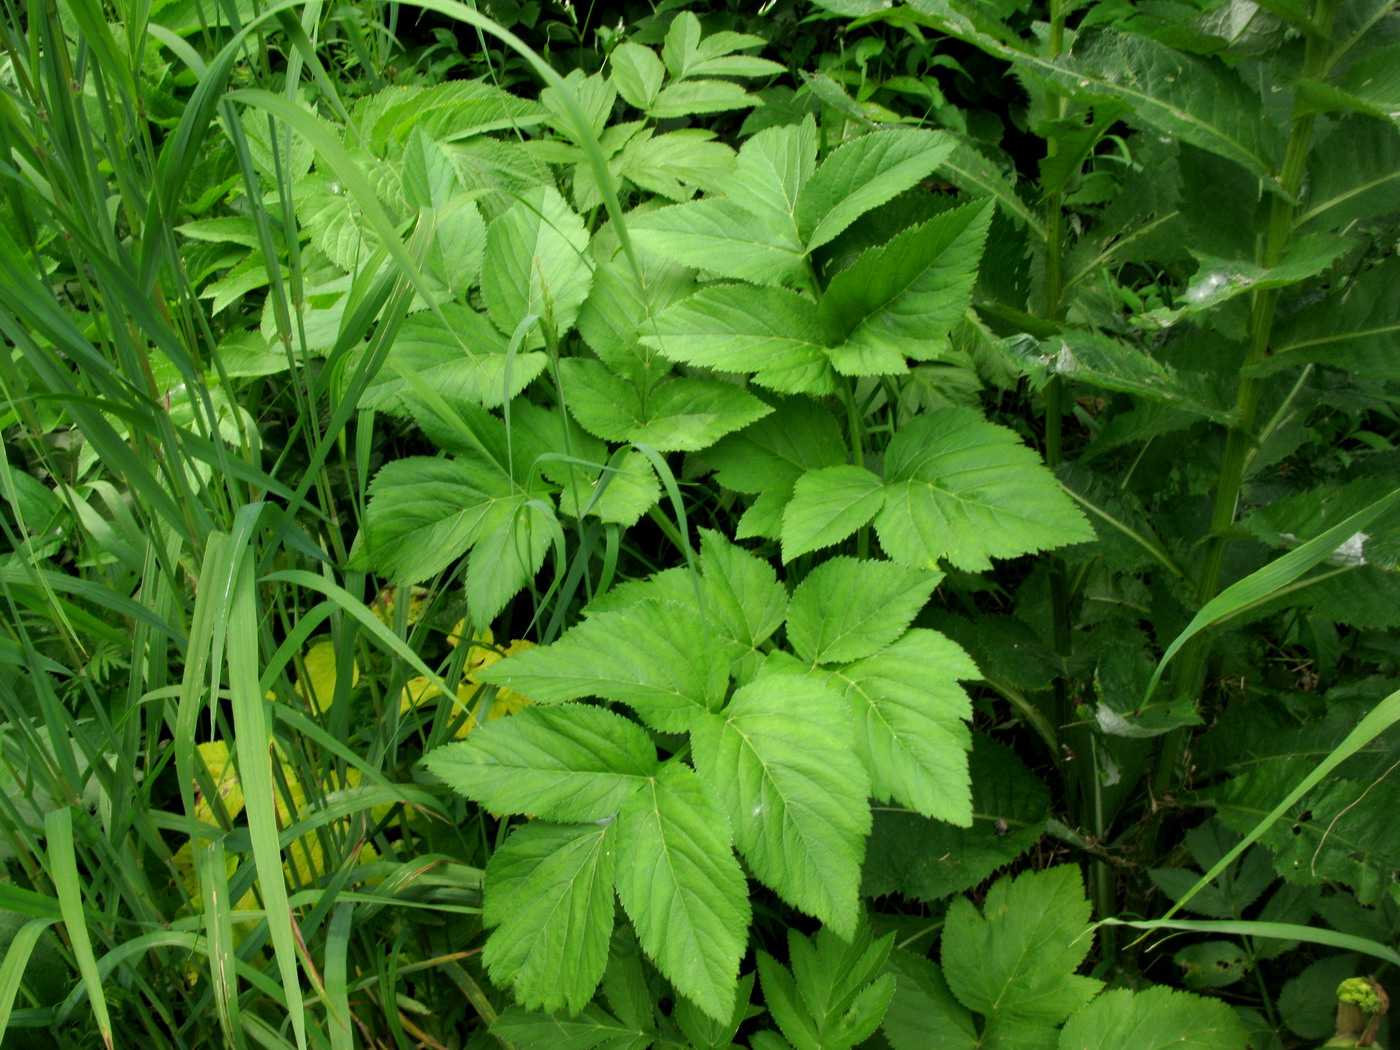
x=1240, y=441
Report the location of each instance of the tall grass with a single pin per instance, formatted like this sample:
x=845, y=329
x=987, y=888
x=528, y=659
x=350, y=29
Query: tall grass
x=177, y=554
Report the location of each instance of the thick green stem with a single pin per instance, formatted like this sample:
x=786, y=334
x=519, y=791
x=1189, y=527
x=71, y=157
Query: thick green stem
x=1239, y=442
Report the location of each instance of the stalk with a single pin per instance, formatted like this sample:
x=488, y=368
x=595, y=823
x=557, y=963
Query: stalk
x=1240, y=441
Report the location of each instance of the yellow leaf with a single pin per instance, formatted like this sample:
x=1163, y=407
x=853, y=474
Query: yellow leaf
x=318, y=687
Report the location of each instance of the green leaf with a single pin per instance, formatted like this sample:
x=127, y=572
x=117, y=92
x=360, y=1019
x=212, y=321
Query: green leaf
x=631, y=490
x=910, y=716
x=835, y=996
x=863, y=174
x=637, y=74
x=592, y=1028
x=1366, y=185
x=682, y=414
x=463, y=359
x=800, y=435
x=828, y=505
x=903, y=298
x=510, y=547
x=567, y=764
x=847, y=609
x=931, y=860
x=549, y=893
x=1355, y=331
x=770, y=332
x=967, y=490
x=1155, y=1019
x=673, y=165
x=923, y=1013
x=682, y=887
x=653, y=656
x=723, y=238
x=423, y=514
x=687, y=98
x=536, y=263
x=772, y=168
x=447, y=112
x=795, y=792
x=741, y=591
x=1015, y=960
x=689, y=414
x=704, y=1032
x=621, y=307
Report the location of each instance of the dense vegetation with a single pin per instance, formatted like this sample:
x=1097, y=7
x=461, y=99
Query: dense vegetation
x=852, y=524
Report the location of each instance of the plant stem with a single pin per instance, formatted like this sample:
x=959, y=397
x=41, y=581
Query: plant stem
x=1240, y=441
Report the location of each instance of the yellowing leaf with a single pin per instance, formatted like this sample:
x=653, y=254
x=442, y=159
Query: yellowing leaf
x=385, y=604
x=317, y=688
x=470, y=693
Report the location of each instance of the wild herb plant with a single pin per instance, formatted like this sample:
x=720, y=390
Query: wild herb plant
x=724, y=383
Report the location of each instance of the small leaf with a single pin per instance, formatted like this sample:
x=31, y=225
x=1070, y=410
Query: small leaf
x=795, y=792
x=536, y=262
x=723, y=238
x=1015, y=961
x=687, y=98
x=637, y=74
x=863, y=174
x=593, y=1027
x=569, y=764
x=847, y=609
x=549, y=893
x=770, y=332
x=828, y=505
x=772, y=169
x=688, y=414
x=682, y=887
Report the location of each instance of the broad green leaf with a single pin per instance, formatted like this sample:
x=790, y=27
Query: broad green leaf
x=971, y=171
x=723, y=238
x=779, y=756
x=592, y=1029
x=435, y=351
x=835, y=995
x=929, y=860
x=1198, y=100
x=631, y=490
x=682, y=45
x=770, y=332
x=446, y=112
x=1016, y=959
x=567, y=764
x=1154, y=1019
x=1111, y=364
x=687, y=98
x=967, y=490
x=903, y=298
x=923, y=1013
x=688, y=414
x=828, y=505
x=673, y=165
x=549, y=893
x=1366, y=185
x=512, y=540
x=423, y=514
x=800, y=435
x=1355, y=331
x=770, y=172
x=682, y=887
x=863, y=174
x=536, y=263
x=637, y=74
x=847, y=609
x=911, y=723
x=680, y=414
x=741, y=591
x=704, y=1032
x=653, y=656
x=619, y=310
